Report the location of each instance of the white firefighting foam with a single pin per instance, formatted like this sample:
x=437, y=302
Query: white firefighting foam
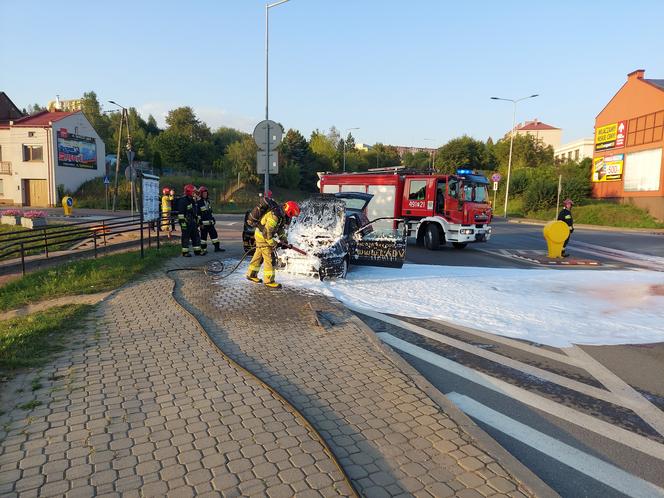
x=556, y=308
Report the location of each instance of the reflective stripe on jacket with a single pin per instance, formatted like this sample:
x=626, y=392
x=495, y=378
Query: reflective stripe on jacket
x=271, y=225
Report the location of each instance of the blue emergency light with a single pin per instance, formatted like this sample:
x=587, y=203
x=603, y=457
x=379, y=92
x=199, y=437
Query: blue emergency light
x=464, y=172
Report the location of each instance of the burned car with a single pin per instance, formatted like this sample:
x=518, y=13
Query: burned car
x=335, y=233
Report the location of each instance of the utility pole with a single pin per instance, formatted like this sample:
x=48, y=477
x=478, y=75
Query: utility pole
x=117, y=160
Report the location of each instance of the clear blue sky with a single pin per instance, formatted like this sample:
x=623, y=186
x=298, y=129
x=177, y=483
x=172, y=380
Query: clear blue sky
x=402, y=71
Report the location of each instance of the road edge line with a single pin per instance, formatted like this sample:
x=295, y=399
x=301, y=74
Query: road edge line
x=522, y=473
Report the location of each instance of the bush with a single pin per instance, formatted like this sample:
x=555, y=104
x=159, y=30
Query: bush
x=289, y=176
x=541, y=194
x=519, y=182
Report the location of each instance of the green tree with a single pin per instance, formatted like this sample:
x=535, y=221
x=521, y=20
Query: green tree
x=100, y=122
x=295, y=148
x=225, y=136
x=241, y=157
x=183, y=120
x=462, y=152
x=528, y=152
x=33, y=109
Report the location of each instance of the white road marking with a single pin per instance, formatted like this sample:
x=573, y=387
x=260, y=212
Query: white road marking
x=580, y=461
x=492, y=337
x=574, y=385
x=605, y=429
x=647, y=260
x=639, y=404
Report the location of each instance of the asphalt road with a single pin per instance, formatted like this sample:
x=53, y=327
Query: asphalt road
x=588, y=421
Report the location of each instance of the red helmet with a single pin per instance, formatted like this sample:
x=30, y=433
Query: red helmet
x=166, y=191
x=189, y=190
x=202, y=190
x=568, y=201
x=291, y=209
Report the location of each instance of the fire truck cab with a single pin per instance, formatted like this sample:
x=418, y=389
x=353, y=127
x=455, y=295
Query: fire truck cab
x=437, y=208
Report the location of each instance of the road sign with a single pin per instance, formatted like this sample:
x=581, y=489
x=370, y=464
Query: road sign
x=260, y=134
x=130, y=156
x=495, y=185
x=130, y=173
x=107, y=181
x=262, y=159
x=495, y=178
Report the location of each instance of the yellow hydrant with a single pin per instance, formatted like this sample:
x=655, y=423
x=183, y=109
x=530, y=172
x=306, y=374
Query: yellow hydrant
x=555, y=233
x=68, y=205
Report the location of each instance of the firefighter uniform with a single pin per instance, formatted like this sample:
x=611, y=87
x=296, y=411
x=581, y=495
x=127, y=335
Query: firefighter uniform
x=207, y=223
x=271, y=225
x=166, y=207
x=188, y=218
x=566, y=216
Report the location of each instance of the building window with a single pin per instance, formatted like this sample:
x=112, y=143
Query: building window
x=642, y=170
x=417, y=190
x=33, y=153
x=576, y=155
x=645, y=129
x=2, y=187
x=31, y=134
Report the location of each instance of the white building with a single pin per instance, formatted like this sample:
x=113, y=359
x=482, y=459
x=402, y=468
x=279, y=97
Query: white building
x=542, y=132
x=45, y=151
x=575, y=151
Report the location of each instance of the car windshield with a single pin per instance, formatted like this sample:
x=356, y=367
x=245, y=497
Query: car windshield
x=475, y=192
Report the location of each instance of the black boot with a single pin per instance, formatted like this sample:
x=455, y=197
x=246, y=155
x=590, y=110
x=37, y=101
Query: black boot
x=218, y=248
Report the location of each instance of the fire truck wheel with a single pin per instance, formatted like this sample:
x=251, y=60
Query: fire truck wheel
x=459, y=245
x=432, y=237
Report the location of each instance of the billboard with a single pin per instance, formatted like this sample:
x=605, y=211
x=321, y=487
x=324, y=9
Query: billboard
x=608, y=168
x=611, y=136
x=76, y=151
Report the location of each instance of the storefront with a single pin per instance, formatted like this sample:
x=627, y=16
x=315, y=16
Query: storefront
x=629, y=137
x=46, y=154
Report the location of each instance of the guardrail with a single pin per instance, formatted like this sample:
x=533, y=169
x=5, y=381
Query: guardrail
x=47, y=239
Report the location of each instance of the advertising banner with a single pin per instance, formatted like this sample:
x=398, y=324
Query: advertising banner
x=609, y=168
x=76, y=151
x=611, y=136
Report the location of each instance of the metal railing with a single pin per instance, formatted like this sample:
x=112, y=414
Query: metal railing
x=5, y=167
x=43, y=241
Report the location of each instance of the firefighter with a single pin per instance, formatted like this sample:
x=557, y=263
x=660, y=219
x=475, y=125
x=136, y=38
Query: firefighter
x=566, y=216
x=207, y=221
x=166, y=208
x=187, y=210
x=272, y=226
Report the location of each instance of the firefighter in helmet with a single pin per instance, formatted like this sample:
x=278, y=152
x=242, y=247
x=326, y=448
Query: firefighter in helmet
x=187, y=210
x=166, y=207
x=207, y=221
x=268, y=232
x=566, y=216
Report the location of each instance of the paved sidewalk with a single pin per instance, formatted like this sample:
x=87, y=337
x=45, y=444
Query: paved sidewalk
x=389, y=436
x=142, y=405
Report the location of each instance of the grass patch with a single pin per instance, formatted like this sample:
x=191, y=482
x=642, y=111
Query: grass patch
x=28, y=341
x=35, y=384
x=12, y=228
x=605, y=214
x=58, y=238
x=87, y=276
x=30, y=405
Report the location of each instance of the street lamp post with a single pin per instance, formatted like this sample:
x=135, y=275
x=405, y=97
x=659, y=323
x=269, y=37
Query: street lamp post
x=124, y=116
x=268, y=6
x=347, y=130
x=509, y=161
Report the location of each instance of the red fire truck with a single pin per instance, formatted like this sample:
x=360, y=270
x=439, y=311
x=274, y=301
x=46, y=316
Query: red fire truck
x=437, y=208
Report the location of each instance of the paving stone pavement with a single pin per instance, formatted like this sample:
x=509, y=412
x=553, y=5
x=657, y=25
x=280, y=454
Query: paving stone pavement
x=143, y=405
x=389, y=436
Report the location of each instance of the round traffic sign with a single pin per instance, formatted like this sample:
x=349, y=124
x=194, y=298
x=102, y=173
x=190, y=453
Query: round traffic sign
x=496, y=177
x=268, y=129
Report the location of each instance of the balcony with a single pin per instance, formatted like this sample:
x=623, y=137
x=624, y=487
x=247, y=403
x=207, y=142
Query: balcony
x=5, y=167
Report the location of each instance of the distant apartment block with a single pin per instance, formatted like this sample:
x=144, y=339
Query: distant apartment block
x=574, y=151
